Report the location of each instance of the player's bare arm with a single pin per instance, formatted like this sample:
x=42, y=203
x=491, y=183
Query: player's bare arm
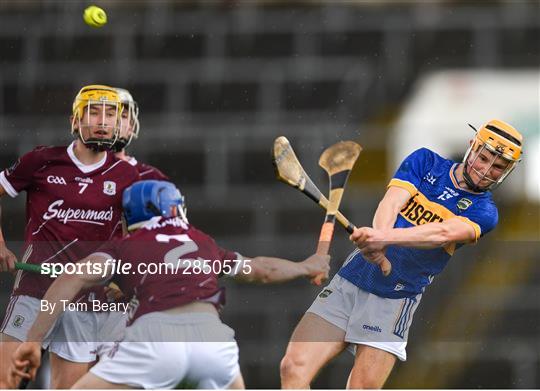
x=389, y=207
x=27, y=357
x=268, y=270
x=386, y=215
x=7, y=258
x=430, y=235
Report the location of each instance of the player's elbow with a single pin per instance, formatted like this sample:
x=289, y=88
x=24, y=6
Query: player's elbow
x=458, y=231
x=442, y=235
x=68, y=279
x=75, y=280
x=391, y=205
x=451, y=233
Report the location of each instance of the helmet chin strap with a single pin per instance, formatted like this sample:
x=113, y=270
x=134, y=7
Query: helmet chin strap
x=469, y=181
x=474, y=187
x=93, y=146
x=119, y=145
x=96, y=144
x=97, y=147
x=467, y=165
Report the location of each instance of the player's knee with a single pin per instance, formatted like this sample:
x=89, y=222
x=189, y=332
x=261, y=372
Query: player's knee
x=292, y=366
x=61, y=382
x=365, y=381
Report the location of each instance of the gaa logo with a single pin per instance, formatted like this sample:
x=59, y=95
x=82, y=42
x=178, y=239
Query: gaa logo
x=56, y=180
x=325, y=293
x=109, y=187
x=464, y=203
x=18, y=321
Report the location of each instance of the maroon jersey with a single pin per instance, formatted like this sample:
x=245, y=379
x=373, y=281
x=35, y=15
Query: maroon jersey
x=71, y=208
x=175, y=245
x=147, y=171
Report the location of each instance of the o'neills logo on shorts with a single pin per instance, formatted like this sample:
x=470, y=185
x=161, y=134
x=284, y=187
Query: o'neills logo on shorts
x=377, y=329
x=81, y=215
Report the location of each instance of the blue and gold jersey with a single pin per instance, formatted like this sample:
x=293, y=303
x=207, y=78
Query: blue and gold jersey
x=435, y=197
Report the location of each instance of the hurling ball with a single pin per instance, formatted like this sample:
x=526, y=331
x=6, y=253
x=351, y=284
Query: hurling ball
x=95, y=16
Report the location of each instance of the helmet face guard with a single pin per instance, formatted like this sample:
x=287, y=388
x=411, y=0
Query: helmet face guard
x=103, y=102
x=499, y=143
x=147, y=199
x=129, y=120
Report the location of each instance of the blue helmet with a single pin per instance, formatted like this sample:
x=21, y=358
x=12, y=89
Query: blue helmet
x=146, y=199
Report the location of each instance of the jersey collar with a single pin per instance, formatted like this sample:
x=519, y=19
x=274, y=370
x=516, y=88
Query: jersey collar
x=86, y=168
x=131, y=160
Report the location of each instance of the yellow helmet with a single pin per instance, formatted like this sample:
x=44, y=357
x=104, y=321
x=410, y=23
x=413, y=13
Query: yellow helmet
x=96, y=95
x=502, y=140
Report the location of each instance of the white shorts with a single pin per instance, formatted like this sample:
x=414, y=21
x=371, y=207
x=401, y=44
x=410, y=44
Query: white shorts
x=77, y=335
x=21, y=314
x=81, y=336
x=367, y=319
x=112, y=329
x=159, y=351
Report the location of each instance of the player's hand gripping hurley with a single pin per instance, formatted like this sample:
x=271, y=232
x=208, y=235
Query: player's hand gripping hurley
x=289, y=170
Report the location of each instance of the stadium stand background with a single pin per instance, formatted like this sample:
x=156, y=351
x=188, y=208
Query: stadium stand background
x=218, y=81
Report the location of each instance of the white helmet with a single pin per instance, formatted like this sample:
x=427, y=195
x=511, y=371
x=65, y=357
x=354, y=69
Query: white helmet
x=132, y=109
